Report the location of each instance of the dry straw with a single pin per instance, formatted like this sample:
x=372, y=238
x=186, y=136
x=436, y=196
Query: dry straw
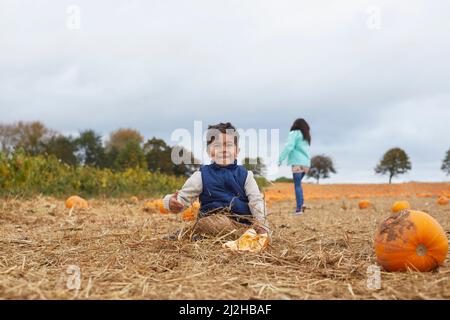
x=118, y=248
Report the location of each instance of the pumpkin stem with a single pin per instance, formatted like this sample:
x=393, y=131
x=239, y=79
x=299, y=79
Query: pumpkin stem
x=421, y=250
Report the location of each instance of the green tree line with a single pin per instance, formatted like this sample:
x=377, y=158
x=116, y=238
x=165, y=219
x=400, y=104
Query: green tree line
x=124, y=149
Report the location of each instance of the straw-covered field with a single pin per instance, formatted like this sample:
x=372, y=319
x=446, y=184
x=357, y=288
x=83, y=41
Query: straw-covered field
x=324, y=254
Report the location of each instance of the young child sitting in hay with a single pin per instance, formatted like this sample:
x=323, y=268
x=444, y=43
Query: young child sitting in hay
x=229, y=195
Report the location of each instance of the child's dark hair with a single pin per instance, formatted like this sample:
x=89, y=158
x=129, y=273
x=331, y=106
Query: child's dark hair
x=303, y=126
x=227, y=128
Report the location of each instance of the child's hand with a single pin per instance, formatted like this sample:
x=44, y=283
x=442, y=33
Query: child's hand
x=260, y=230
x=175, y=205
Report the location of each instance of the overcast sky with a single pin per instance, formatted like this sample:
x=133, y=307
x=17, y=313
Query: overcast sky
x=366, y=75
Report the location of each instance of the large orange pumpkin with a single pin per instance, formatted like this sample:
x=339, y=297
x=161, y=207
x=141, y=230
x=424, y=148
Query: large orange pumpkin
x=76, y=202
x=410, y=239
x=364, y=204
x=442, y=200
x=400, y=205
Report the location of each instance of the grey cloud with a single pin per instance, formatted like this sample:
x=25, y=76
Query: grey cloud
x=160, y=65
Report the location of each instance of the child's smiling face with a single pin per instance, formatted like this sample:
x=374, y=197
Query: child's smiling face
x=223, y=149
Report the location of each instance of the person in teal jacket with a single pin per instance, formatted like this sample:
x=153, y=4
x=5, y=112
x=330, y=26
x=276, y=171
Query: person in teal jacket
x=297, y=153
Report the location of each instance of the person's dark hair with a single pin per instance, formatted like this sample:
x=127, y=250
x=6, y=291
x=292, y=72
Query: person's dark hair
x=227, y=128
x=303, y=126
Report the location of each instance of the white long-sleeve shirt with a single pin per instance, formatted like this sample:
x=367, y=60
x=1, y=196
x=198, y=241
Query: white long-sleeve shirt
x=194, y=186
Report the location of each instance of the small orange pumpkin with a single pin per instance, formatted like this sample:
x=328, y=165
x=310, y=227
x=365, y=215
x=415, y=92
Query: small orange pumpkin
x=400, y=205
x=160, y=205
x=155, y=206
x=76, y=202
x=191, y=213
x=150, y=206
x=249, y=241
x=364, y=204
x=410, y=239
x=187, y=215
x=424, y=195
x=442, y=200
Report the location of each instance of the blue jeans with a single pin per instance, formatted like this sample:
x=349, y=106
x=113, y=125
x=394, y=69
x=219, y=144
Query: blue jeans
x=298, y=176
